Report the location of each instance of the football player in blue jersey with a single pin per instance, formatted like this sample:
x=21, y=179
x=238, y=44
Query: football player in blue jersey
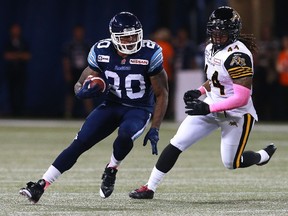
x=137, y=91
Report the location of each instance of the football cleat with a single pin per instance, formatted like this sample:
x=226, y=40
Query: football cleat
x=142, y=193
x=108, y=181
x=33, y=190
x=270, y=149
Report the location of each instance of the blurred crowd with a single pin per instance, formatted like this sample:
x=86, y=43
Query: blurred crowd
x=271, y=76
x=270, y=90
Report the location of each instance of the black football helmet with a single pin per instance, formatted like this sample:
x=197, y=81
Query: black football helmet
x=122, y=25
x=223, y=21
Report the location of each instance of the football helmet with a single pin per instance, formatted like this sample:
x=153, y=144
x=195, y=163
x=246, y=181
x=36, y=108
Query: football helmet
x=224, y=22
x=126, y=33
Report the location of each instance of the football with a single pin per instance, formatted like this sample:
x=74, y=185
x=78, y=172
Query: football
x=96, y=81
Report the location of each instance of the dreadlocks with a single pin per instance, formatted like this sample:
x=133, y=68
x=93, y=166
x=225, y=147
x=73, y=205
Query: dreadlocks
x=250, y=42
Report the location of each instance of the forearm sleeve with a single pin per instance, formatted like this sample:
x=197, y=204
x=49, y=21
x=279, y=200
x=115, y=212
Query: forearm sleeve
x=240, y=98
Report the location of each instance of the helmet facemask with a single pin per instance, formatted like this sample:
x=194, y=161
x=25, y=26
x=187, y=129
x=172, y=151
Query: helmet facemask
x=223, y=27
x=126, y=33
x=129, y=41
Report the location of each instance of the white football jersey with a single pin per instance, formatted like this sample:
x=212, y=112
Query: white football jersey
x=232, y=62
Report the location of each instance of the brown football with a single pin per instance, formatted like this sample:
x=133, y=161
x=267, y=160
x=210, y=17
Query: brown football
x=97, y=81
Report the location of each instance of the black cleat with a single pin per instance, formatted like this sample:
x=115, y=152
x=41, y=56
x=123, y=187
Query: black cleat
x=108, y=181
x=270, y=149
x=142, y=193
x=33, y=190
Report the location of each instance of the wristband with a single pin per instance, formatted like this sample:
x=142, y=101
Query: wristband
x=202, y=90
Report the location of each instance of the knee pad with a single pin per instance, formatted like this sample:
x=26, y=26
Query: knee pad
x=228, y=164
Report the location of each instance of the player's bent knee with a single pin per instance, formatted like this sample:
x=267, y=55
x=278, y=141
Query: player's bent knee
x=228, y=165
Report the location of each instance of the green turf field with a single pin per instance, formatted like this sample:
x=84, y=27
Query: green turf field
x=197, y=185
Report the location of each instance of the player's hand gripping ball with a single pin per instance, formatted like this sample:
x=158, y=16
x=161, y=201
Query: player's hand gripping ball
x=96, y=81
x=92, y=87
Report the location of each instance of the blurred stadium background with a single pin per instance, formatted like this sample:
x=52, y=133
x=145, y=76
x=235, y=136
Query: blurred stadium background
x=47, y=25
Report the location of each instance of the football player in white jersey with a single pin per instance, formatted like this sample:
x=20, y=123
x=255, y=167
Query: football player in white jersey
x=228, y=104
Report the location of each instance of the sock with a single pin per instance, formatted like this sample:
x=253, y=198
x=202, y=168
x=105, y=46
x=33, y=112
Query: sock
x=155, y=179
x=264, y=156
x=47, y=184
x=113, y=162
x=51, y=175
x=248, y=159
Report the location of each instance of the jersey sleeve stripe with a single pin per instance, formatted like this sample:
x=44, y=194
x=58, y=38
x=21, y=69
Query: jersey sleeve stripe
x=156, y=60
x=92, y=58
x=240, y=72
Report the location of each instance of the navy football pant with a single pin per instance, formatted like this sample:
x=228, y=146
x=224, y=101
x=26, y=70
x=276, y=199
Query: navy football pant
x=102, y=121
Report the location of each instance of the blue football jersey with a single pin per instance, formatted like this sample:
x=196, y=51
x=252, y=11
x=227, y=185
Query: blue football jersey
x=128, y=78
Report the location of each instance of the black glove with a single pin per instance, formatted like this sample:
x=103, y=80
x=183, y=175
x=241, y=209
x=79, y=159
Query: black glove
x=86, y=92
x=190, y=95
x=197, y=107
x=153, y=136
